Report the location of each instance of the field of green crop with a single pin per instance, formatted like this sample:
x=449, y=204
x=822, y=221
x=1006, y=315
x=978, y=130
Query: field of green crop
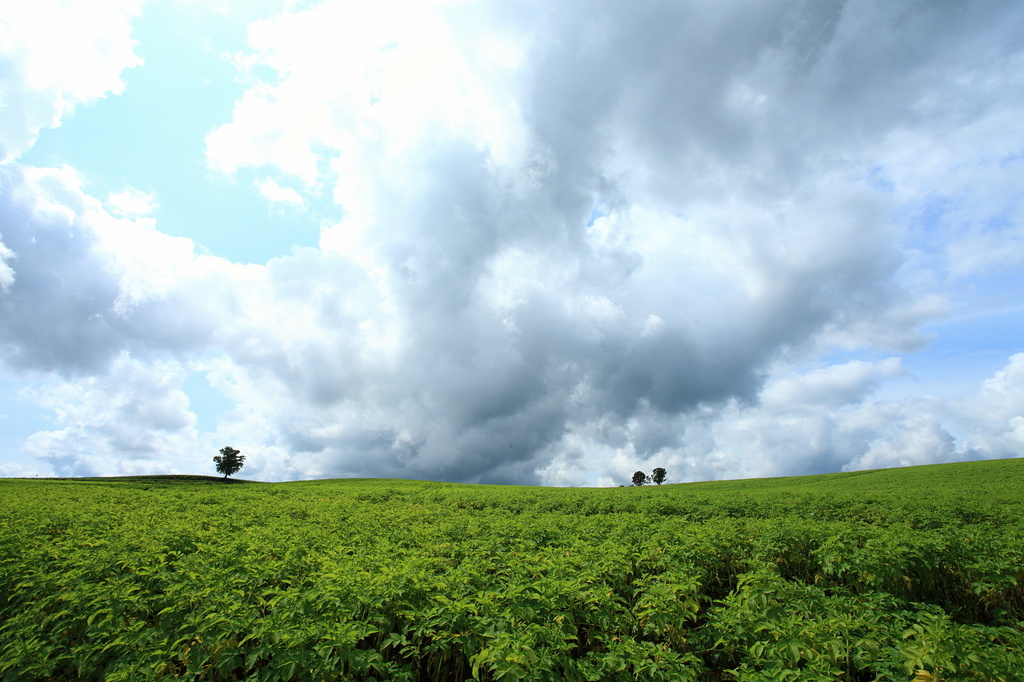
x=859, y=576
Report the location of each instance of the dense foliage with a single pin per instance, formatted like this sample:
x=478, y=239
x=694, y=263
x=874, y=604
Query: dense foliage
x=230, y=461
x=859, y=576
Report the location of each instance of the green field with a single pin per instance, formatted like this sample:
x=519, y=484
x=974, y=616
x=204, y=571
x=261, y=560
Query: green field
x=857, y=576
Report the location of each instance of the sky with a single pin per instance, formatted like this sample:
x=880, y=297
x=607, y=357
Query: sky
x=539, y=243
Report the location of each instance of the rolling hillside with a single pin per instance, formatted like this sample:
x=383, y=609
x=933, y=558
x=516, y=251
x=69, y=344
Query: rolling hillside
x=856, y=576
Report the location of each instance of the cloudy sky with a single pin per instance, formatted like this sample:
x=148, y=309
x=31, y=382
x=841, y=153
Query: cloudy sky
x=510, y=242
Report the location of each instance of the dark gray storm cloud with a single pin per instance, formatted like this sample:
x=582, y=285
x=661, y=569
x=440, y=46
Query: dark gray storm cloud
x=58, y=312
x=63, y=310
x=760, y=111
x=686, y=211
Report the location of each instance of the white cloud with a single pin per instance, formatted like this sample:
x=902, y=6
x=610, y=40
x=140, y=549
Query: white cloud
x=6, y=272
x=265, y=132
x=829, y=387
x=56, y=55
x=132, y=419
x=351, y=82
x=276, y=194
x=992, y=421
x=131, y=203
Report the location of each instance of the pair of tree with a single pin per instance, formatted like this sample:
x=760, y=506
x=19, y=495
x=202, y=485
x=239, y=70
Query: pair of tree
x=229, y=461
x=657, y=476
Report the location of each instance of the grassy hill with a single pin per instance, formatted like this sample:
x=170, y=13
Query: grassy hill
x=855, y=576
x=160, y=479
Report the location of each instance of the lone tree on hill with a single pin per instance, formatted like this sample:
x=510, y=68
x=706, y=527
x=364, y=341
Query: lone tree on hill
x=639, y=478
x=229, y=461
x=658, y=475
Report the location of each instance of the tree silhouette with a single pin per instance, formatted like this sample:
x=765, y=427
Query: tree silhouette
x=658, y=475
x=639, y=478
x=229, y=461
